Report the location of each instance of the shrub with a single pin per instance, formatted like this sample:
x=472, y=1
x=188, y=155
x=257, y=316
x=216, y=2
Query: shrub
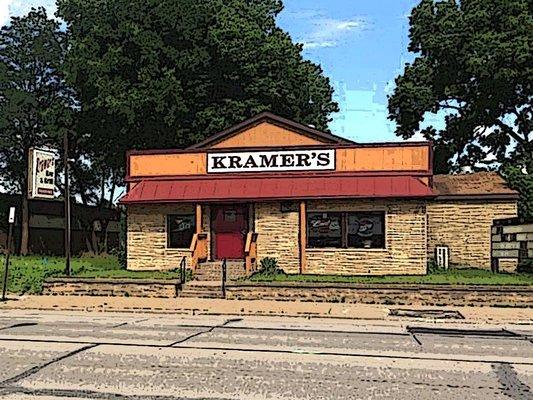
x=525, y=266
x=269, y=266
x=433, y=267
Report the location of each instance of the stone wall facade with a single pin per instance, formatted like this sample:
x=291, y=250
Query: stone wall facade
x=278, y=235
x=147, y=237
x=465, y=227
x=405, y=250
x=413, y=229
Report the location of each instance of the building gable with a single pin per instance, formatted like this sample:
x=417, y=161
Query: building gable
x=266, y=134
x=269, y=130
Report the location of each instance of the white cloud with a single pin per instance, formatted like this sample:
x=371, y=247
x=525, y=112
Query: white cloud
x=315, y=45
x=348, y=25
x=329, y=32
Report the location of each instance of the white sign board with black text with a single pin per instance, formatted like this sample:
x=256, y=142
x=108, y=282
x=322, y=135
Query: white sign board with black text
x=263, y=161
x=41, y=177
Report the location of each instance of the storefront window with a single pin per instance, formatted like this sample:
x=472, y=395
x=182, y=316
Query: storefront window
x=324, y=229
x=180, y=230
x=366, y=230
x=360, y=230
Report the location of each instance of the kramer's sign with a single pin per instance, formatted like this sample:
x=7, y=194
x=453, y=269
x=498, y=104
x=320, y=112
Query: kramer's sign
x=41, y=177
x=262, y=161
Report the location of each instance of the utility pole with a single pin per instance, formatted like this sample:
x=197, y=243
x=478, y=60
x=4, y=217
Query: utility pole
x=11, y=222
x=68, y=270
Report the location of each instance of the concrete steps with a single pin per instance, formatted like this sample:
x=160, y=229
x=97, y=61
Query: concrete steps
x=202, y=289
x=212, y=271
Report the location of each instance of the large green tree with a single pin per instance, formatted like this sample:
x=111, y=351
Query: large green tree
x=35, y=105
x=167, y=73
x=474, y=67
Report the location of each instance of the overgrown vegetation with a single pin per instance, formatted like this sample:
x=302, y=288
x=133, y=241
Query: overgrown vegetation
x=27, y=274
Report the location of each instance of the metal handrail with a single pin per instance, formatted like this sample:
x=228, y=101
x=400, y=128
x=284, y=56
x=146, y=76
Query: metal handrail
x=224, y=272
x=183, y=264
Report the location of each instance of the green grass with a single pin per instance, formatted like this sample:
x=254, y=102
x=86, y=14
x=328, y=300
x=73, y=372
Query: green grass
x=27, y=274
x=468, y=276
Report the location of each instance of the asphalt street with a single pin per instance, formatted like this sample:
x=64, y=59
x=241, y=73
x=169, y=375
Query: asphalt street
x=48, y=355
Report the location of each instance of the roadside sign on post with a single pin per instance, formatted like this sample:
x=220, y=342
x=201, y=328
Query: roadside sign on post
x=11, y=221
x=41, y=176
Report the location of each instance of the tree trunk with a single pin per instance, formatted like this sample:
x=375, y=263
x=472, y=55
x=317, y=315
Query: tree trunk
x=25, y=212
x=88, y=244
x=102, y=193
x=110, y=206
x=24, y=226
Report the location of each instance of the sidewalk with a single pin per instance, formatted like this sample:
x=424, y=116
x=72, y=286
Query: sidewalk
x=192, y=306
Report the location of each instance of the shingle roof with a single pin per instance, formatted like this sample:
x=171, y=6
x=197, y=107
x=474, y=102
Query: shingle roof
x=478, y=184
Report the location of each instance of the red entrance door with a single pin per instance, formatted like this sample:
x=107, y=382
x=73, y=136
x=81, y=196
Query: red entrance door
x=230, y=225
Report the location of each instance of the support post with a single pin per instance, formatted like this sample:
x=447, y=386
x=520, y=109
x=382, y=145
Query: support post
x=198, y=218
x=68, y=270
x=303, y=237
x=11, y=221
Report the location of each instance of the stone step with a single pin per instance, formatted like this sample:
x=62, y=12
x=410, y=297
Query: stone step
x=212, y=271
x=202, y=289
x=201, y=294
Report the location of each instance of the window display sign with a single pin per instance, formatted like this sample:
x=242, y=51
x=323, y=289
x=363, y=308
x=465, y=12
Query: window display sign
x=41, y=176
x=180, y=230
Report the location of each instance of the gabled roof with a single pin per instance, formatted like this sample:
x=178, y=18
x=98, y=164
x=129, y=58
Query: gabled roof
x=482, y=185
x=302, y=129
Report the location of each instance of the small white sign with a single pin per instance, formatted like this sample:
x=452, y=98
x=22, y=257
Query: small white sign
x=11, y=219
x=42, y=165
x=262, y=161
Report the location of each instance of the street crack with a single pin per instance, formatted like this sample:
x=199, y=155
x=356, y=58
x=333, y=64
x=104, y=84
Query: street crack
x=37, y=368
x=511, y=385
x=19, y=325
x=211, y=329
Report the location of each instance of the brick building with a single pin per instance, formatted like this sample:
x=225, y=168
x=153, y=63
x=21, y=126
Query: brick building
x=318, y=203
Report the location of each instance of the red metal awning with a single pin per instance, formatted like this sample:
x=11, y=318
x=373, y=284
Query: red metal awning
x=218, y=189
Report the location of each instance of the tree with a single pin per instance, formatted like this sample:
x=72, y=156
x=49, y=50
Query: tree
x=474, y=67
x=167, y=73
x=34, y=103
x=523, y=183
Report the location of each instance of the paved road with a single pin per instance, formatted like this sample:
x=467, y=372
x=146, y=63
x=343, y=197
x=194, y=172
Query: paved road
x=108, y=356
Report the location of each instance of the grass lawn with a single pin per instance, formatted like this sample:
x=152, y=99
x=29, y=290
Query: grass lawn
x=26, y=274
x=468, y=276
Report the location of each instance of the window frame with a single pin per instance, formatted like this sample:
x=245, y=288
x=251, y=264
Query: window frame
x=168, y=233
x=344, y=230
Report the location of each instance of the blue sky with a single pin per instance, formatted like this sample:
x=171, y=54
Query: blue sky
x=361, y=45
